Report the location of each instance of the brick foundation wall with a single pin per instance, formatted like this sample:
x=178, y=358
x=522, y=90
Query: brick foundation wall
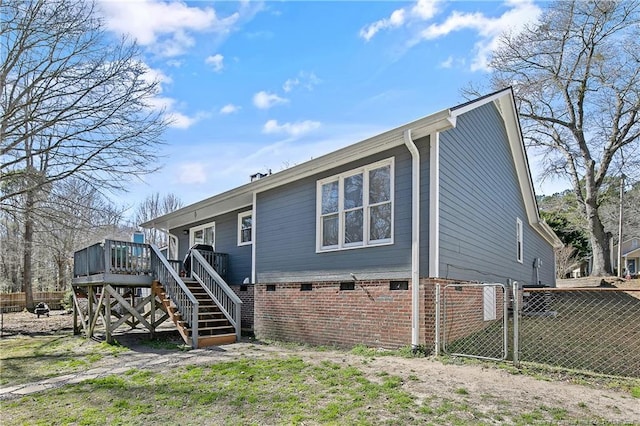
x=371, y=314
x=462, y=309
x=246, y=293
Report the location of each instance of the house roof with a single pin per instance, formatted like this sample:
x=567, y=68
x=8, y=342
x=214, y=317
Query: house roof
x=243, y=196
x=632, y=253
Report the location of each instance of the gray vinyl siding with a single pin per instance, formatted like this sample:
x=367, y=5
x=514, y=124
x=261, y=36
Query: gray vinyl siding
x=286, y=232
x=425, y=202
x=226, y=242
x=480, y=200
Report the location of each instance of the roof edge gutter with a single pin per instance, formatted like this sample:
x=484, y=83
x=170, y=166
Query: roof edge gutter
x=415, y=238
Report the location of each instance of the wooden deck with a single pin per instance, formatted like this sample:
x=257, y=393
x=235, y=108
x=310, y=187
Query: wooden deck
x=113, y=287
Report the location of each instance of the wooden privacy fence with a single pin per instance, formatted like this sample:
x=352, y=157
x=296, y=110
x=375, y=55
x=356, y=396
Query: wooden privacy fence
x=14, y=302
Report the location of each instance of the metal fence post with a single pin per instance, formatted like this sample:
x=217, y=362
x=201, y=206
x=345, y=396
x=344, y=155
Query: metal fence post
x=505, y=322
x=437, y=331
x=516, y=326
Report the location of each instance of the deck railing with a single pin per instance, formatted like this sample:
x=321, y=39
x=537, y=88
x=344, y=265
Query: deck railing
x=89, y=261
x=112, y=257
x=175, y=264
x=219, y=261
x=176, y=289
x=218, y=289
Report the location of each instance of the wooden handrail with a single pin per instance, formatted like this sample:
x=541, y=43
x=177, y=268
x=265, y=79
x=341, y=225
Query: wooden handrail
x=228, y=302
x=177, y=290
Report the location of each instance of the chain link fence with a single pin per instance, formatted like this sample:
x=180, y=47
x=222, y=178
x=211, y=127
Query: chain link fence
x=474, y=320
x=586, y=329
x=592, y=329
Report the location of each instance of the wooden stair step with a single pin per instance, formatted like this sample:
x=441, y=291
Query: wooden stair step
x=220, y=339
x=222, y=321
x=213, y=333
x=213, y=327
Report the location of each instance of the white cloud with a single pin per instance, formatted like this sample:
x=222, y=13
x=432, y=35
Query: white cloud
x=489, y=29
x=308, y=80
x=229, y=109
x=420, y=19
x=174, y=63
x=165, y=27
x=151, y=75
x=292, y=129
x=423, y=10
x=167, y=104
x=180, y=121
x=176, y=119
x=447, y=63
x=216, y=61
x=290, y=84
x=190, y=173
x=265, y=100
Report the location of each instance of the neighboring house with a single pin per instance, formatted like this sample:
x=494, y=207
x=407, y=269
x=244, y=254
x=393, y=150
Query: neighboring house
x=630, y=256
x=579, y=269
x=347, y=248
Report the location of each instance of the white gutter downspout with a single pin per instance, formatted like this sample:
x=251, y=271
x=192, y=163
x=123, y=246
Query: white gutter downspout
x=415, y=239
x=253, y=239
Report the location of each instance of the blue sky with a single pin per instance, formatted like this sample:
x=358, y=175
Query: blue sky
x=253, y=86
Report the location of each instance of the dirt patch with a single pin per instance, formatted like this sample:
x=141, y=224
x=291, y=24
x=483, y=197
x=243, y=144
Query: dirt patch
x=483, y=387
x=28, y=324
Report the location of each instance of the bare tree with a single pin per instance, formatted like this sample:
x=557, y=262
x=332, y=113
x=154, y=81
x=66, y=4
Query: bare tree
x=576, y=78
x=74, y=215
x=565, y=259
x=74, y=104
x=153, y=206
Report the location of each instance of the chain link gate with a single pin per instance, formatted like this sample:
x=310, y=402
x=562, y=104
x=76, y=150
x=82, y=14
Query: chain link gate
x=472, y=320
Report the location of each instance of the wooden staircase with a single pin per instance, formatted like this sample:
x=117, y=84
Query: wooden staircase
x=213, y=327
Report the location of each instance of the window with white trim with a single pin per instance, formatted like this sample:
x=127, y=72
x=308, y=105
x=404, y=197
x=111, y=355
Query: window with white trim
x=355, y=208
x=519, y=242
x=203, y=234
x=245, y=227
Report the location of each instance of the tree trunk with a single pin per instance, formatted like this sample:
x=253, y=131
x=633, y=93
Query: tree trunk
x=27, y=277
x=601, y=260
x=62, y=273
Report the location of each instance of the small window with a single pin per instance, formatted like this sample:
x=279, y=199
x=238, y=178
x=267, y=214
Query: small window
x=245, y=228
x=519, y=242
x=306, y=287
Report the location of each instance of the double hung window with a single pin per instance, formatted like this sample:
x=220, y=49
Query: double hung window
x=355, y=208
x=245, y=224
